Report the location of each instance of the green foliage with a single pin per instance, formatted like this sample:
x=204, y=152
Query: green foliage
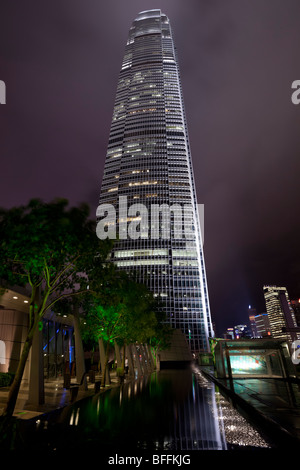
x=122, y=310
x=49, y=246
x=53, y=249
x=6, y=379
x=102, y=322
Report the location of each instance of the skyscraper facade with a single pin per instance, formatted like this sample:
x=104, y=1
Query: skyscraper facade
x=281, y=316
x=148, y=170
x=262, y=325
x=251, y=315
x=295, y=304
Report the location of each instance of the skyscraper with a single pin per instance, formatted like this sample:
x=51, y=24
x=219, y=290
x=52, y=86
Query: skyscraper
x=280, y=313
x=295, y=304
x=148, y=170
x=262, y=325
x=251, y=315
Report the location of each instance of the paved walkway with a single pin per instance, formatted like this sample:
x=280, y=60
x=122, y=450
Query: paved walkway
x=56, y=396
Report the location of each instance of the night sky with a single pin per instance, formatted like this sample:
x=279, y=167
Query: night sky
x=60, y=61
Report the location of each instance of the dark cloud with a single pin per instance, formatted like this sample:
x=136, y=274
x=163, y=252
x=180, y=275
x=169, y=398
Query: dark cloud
x=60, y=61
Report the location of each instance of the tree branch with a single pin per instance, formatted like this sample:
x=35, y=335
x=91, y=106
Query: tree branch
x=57, y=277
x=47, y=274
x=42, y=308
x=31, y=305
x=63, y=296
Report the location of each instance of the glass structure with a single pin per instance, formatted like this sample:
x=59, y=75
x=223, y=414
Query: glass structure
x=148, y=165
x=252, y=358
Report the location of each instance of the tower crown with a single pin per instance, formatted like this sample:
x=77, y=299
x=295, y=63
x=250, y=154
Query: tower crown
x=143, y=15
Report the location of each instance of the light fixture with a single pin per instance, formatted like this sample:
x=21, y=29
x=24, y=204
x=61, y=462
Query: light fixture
x=15, y=297
x=25, y=301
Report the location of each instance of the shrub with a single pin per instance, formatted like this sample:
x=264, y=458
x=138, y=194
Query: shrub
x=6, y=379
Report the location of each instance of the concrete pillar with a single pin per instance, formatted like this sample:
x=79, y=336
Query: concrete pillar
x=130, y=361
x=79, y=354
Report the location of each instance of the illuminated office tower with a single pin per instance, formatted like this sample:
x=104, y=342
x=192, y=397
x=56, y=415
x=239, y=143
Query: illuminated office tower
x=281, y=316
x=295, y=304
x=148, y=164
x=251, y=315
x=262, y=325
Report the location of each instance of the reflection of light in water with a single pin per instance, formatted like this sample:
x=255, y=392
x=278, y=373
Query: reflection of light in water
x=233, y=427
x=237, y=429
x=77, y=417
x=191, y=416
x=74, y=418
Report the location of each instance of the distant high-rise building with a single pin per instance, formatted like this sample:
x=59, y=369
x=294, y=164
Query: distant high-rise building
x=295, y=304
x=262, y=325
x=252, y=313
x=229, y=333
x=281, y=316
x=148, y=165
x=241, y=331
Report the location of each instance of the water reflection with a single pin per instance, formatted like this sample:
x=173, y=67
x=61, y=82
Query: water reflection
x=234, y=428
x=168, y=410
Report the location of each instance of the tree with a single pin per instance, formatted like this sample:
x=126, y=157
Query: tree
x=161, y=338
x=52, y=249
x=123, y=311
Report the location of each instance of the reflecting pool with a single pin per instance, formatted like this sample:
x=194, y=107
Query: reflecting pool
x=170, y=410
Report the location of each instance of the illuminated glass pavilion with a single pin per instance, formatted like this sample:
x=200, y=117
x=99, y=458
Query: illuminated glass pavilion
x=148, y=163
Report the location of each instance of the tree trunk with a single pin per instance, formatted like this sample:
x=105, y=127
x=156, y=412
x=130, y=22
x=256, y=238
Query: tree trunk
x=15, y=386
x=137, y=360
x=104, y=361
x=150, y=356
x=123, y=357
x=147, y=360
x=36, y=317
x=130, y=360
x=155, y=357
x=36, y=394
x=118, y=355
